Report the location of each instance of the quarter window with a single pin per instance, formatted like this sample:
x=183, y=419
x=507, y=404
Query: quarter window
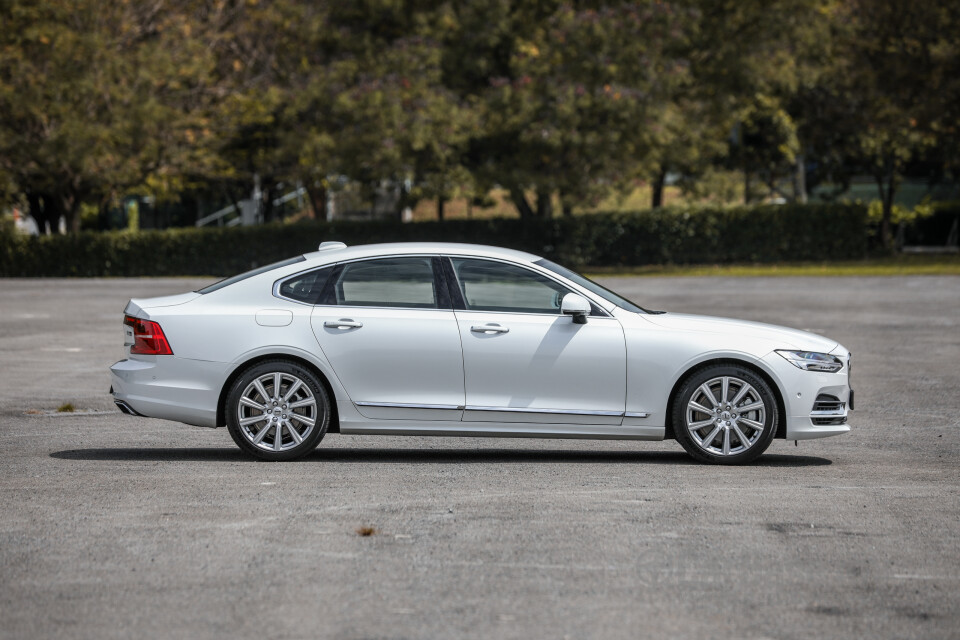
x=497, y=286
x=305, y=287
x=389, y=282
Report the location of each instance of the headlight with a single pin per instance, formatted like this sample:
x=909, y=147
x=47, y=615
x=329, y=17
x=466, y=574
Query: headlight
x=811, y=361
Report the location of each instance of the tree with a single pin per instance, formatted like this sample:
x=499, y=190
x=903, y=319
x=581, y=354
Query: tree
x=96, y=99
x=565, y=93
x=890, y=94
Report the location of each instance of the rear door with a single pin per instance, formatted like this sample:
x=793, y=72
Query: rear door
x=390, y=334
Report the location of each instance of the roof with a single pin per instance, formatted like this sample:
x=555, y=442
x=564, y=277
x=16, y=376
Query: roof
x=335, y=254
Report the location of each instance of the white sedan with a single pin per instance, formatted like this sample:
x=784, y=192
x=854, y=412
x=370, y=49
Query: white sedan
x=466, y=340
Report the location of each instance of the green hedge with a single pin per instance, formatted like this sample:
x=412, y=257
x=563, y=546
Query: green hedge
x=663, y=236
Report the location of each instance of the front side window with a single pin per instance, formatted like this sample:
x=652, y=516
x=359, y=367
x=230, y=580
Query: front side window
x=387, y=282
x=496, y=286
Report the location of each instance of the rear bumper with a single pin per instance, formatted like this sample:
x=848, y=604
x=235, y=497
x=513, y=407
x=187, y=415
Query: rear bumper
x=169, y=388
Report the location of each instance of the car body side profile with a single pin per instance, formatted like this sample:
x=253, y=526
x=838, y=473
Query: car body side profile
x=467, y=340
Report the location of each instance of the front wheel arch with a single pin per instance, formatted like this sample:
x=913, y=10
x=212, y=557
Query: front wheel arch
x=334, y=426
x=669, y=433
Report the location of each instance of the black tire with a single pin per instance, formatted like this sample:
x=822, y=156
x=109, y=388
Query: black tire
x=287, y=415
x=727, y=434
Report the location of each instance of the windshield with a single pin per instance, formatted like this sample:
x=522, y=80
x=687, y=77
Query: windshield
x=593, y=287
x=249, y=274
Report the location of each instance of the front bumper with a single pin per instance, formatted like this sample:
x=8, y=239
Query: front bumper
x=801, y=390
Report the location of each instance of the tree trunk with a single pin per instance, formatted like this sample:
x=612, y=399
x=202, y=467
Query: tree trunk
x=403, y=201
x=746, y=187
x=68, y=206
x=318, y=201
x=656, y=200
x=800, y=181
x=886, y=183
x=544, y=204
x=440, y=202
x=520, y=202
x=270, y=213
x=41, y=213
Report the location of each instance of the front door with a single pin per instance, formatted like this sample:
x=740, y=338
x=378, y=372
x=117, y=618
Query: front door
x=524, y=361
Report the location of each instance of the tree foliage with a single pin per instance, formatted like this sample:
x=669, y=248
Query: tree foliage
x=559, y=102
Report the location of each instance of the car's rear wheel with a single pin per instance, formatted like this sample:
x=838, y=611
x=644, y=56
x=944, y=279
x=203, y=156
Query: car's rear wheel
x=277, y=410
x=725, y=415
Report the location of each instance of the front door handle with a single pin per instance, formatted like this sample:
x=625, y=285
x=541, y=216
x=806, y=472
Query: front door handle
x=343, y=323
x=489, y=328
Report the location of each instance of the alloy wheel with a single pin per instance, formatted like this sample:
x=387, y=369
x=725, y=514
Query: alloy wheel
x=725, y=416
x=277, y=411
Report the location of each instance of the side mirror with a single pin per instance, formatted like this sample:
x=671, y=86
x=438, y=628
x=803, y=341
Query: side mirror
x=576, y=306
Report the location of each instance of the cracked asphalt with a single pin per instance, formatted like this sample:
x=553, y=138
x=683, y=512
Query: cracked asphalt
x=113, y=526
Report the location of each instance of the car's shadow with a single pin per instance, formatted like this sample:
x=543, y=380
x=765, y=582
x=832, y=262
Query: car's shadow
x=424, y=456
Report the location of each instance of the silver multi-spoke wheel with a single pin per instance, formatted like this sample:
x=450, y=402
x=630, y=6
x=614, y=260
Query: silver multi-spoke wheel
x=725, y=416
x=277, y=411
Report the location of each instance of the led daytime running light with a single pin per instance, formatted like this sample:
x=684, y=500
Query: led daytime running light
x=812, y=361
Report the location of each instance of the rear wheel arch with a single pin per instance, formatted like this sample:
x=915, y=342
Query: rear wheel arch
x=334, y=426
x=669, y=433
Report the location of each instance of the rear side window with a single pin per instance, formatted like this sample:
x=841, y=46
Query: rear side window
x=388, y=282
x=305, y=287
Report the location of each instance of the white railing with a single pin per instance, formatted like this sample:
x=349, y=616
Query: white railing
x=248, y=213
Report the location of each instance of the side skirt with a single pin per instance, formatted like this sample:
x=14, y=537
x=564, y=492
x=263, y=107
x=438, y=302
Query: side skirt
x=502, y=430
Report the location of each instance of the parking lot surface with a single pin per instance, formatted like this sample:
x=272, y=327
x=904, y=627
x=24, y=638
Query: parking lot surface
x=115, y=526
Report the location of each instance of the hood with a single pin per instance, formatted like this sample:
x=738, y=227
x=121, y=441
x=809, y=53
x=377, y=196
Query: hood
x=784, y=336
x=136, y=305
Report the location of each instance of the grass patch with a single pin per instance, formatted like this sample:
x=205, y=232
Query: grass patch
x=902, y=265
x=66, y=407
x=366, y=531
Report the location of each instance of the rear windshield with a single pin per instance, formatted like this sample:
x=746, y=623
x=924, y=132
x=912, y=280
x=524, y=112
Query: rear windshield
x=226, y=282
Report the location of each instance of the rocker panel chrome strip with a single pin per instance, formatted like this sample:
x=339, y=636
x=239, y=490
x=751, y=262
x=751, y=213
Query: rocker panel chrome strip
x=408, y=405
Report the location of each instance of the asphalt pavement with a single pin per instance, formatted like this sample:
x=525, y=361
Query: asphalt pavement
x=114, y=526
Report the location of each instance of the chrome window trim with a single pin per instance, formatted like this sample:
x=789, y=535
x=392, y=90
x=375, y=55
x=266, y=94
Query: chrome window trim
x=574, y=287
x=343, y=306
x=528, y=313
x=277, y=283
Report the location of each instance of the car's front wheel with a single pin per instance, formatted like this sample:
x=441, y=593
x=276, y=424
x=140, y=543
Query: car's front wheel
x=277, y=410
x=725, y=415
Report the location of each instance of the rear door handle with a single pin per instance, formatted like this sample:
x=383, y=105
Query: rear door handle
x=489, y=328
x=343, y=323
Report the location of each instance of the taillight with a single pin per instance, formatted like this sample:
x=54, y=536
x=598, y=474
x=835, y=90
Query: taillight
x=148, y=338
